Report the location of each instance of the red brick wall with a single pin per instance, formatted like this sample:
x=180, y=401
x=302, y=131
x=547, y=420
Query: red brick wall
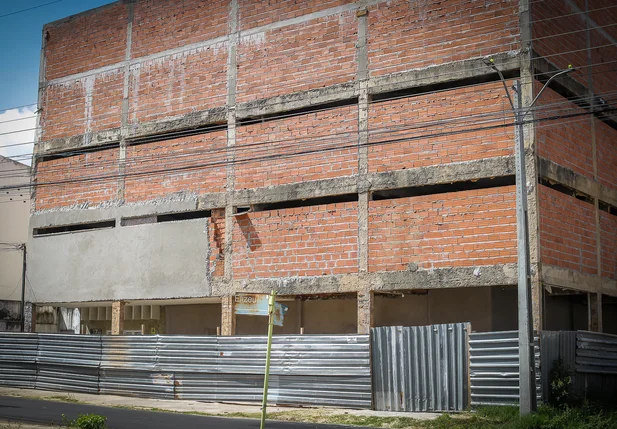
x=567, y=231
x=559, y=35
x=178, y=84
x=176, y=156
x=63, y=111
x=603, y=52
x=467, y=228
x=256, y=13
x=404, y=35
x=314, y=54
x=606, y=145
x=311, y=132
x=217, y=242
x=160, y=25
x=89, y=104
x=303, y=241
x=86, y=41
x=100, y=166
x=565, y=141
x=608, y=241
x=440, y=128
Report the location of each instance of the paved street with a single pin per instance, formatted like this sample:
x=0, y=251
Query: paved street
x=50, y=412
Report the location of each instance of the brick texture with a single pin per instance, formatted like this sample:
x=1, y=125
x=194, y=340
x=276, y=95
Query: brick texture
x=178, y=84
x=603, y=52
x=608, y=240
x=466, y=228
x=565, y=141
x=187, y=164
x=86, y=105
x=560, y=36
x=304, y=241
x=160, y=25
x=567, y=231
x=100, y=166
x=256, y=13
x=404, y=35
x=217, y=242
x=311, y=55
x=313, y=134
x=606, y=145
x=440, y=128
x=86, y=41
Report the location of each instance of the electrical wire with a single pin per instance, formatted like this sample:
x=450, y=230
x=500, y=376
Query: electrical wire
x=30, y=8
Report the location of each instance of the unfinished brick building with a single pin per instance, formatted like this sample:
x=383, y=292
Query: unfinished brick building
x=357, y=157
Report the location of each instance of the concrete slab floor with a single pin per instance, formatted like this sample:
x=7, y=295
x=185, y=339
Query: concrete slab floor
x=182, y=406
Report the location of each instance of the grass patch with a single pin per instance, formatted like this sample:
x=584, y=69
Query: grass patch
x=583, y=417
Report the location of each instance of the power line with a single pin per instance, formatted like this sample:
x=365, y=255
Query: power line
x=30, y=8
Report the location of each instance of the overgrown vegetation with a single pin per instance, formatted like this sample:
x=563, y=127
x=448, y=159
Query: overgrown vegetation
x=561, y=384
x=85, y=421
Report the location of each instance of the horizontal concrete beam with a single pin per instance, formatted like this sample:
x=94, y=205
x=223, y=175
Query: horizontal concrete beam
x=450, y=73
x=432, y=175
x=569, y=279
x=82, y=141
x=441, y=278
x=474, y=68
x=563, y=175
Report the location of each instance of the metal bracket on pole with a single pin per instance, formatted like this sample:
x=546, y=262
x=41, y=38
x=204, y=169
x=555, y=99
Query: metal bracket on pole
x=527, y=373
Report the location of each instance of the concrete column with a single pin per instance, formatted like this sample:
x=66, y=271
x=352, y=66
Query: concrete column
x=365, y=312
x=363, y=140
x=594, y=300
x=117, y=317
x=125, y=103
x=232, y=76
x=30, y=317
x=594, y=307
x=527, y=93
x=228, y=317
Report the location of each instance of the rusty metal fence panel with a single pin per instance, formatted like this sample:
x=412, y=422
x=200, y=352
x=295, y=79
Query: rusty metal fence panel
x=420, y=368
x=494, y=368
x=68, y=363
x=18, y=359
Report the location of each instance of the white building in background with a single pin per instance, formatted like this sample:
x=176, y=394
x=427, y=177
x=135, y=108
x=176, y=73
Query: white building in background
x=14, y=215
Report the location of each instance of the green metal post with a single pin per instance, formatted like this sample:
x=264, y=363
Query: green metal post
x=268, y=351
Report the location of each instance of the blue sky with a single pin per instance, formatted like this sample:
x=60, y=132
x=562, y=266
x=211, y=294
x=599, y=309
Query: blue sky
x=20, y=45
x=20, y=48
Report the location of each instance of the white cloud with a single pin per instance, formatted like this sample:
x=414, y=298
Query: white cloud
x=16, y=127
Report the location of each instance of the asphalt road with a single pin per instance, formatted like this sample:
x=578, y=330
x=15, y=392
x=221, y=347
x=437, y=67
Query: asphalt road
x=50, y=412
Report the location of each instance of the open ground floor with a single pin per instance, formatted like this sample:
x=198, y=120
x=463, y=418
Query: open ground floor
x=490, y=308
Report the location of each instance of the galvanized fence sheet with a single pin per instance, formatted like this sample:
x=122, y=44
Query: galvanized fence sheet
x=494, y=370
x=130, y=366
x=18, y=359
x=420, y=368
x=304, y=369
x=596, y=364
x=68, y=363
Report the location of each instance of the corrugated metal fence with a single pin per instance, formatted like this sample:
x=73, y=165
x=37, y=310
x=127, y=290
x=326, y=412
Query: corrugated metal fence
x=305, y=370
x=494, y=368
x=590, y=357
x=420, y=368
